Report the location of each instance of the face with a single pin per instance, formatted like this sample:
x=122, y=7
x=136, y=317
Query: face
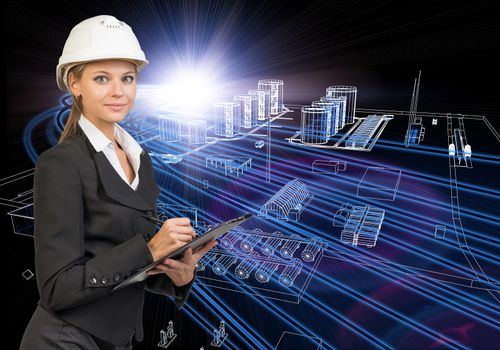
x=108, y=89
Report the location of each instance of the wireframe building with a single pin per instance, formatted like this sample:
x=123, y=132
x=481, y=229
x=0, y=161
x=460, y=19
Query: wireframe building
x=265, y=271
x=275, y=88
x=314, y=126
x=288, y=202
x=222, y=264
x=245, y=268
x=350, y=92
x=248, y=107
x=363, y=226
x=333, y=113
x=364, y=133
x=291, y=272
x=340, y=102
x=197, y=132
x=263, y=104
x=227, y=118
x=169, y=128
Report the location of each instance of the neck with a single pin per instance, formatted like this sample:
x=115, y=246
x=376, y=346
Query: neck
x=107, y=128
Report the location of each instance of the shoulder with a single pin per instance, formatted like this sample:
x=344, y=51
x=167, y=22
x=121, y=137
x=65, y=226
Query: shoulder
x=66, y=154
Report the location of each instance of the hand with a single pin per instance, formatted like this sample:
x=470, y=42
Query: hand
x=173, y=234
x=181, y=271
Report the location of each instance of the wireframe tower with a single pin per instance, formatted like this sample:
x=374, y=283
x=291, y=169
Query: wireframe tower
x=350, y=93
x=227, y=118
x=275, y=88
x=169, y=128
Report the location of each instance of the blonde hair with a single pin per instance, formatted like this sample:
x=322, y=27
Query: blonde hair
x=76, y=107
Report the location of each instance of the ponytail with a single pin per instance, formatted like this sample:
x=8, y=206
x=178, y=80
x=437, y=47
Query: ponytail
x=76, y=107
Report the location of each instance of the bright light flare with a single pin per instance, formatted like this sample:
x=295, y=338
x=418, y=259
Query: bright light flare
x=192, y=92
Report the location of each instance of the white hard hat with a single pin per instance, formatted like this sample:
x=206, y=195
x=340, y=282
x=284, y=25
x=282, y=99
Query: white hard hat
x=98, y=38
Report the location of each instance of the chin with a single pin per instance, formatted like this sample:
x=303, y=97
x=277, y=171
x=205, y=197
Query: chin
x=116, y=117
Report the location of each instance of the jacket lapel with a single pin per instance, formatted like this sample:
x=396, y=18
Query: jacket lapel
x=144, y=198
x=116, y=188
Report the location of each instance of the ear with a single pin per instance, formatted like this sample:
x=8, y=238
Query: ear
x=74, y=85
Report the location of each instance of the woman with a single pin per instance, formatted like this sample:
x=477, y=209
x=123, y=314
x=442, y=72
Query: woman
x=91, y=193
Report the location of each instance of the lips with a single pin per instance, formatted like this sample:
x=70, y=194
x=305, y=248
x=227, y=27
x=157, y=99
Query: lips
x=116, y=106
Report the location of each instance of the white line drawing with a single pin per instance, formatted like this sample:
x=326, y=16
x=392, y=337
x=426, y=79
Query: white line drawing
x=363, y=226
x=167, y=338
x=204, y=261
x=289, y=248
x=245, y=268
x=27, y=274
x=232, y=165
x=227, y=116
x=220, y=335
x=440, y=231
x=288, y=202
x=247, y=245
x=169, y=128
x=328, y=166
x=23, y=222
x=291, y=272
x=260, y=271
x=275, y=88
x=342, y=215
x=248, y=107
x=350, y=93
x=311, y=250
x=289, y=340
x=315, y=125
x=272, y=243
x=416, y=131
x=340, y=103
x=455, y=161
x=223, y=263
x=333, y=115
x=379, y=183
x=265, y=271
x=263, y=104
x=17, y=200
x=362, y=136
x=197, y=132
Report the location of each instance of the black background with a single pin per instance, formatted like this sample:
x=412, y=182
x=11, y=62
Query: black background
x=378, y=46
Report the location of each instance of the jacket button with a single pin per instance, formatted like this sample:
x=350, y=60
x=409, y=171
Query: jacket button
x=116, y=277
x=104, y=279
x=93, y=280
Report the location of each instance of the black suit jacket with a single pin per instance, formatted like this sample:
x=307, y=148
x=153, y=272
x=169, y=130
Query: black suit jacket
x=90, y=235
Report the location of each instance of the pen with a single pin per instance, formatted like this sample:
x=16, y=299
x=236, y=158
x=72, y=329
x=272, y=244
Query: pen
x=153, y=219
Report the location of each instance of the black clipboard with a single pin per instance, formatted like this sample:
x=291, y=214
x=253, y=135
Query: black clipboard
x=195, y=244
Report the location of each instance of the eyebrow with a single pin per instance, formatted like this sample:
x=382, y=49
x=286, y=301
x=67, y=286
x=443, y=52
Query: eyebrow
x=102, y=71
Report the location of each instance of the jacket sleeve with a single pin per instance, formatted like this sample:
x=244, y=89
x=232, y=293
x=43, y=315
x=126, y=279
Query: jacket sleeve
x=161, y=284
x=65, y=276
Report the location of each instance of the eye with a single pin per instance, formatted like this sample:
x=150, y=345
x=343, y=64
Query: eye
x=128, y=79
x=101, y=79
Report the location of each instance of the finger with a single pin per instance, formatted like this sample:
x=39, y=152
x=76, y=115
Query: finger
x=183, y=238
x=173, y=264
x=154, y=272
x=188, y=256
x=162, y=268
x=180, y=221
x=183, y=230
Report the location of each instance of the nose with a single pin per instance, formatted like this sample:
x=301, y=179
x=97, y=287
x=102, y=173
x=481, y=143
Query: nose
x=117, y=88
